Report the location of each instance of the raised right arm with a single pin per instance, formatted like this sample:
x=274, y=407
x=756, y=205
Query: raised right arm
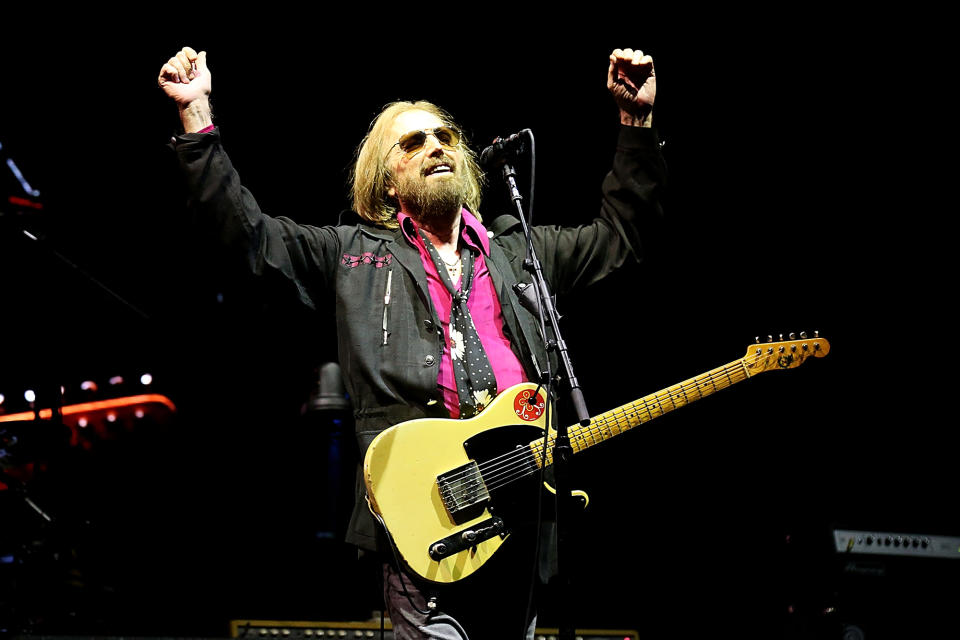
x=304, y=255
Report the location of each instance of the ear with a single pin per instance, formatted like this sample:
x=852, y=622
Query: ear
x=392, y=191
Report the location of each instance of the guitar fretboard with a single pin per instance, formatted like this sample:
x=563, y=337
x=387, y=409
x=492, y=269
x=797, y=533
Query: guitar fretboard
x=616, y=421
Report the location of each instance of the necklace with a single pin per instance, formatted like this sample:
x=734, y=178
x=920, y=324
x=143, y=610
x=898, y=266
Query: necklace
x=456, y=260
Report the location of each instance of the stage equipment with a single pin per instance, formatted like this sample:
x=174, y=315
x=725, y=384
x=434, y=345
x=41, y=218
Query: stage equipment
x=299, y=630
x=887, y=543
x=874, y=584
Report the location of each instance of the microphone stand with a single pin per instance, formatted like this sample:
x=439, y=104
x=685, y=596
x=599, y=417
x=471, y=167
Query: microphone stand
x=562, y=451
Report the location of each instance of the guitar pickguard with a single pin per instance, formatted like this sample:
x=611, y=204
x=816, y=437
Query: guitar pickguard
x=509, y=444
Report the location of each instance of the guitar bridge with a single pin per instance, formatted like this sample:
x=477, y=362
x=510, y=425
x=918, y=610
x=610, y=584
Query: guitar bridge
x=463, y=492
x=467, y=538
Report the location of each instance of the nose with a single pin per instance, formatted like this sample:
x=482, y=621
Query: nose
x=432, y=145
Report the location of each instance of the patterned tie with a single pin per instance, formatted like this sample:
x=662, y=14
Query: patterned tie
x=476, y=384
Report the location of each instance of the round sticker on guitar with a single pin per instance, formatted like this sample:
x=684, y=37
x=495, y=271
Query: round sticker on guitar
x=525, y=408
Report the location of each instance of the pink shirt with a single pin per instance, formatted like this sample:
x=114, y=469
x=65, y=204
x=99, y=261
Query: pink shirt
x=484, y=308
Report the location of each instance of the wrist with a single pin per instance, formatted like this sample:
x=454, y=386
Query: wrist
x=196, y=115
x=640, y=118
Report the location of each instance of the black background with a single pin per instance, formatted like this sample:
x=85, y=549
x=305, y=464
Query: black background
x=799, y=193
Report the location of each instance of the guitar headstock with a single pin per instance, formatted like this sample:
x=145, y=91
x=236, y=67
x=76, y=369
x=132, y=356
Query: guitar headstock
x=784, y=354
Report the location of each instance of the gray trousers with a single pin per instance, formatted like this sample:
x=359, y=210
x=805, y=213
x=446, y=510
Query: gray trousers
x=467, y=614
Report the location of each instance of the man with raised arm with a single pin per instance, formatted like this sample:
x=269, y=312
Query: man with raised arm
x=428, y=317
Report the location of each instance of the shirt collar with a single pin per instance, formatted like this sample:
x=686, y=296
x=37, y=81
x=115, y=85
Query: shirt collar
x=474, y=233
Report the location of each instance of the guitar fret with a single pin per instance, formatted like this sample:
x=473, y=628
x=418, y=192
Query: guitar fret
x=647, y=408
x=696, y=387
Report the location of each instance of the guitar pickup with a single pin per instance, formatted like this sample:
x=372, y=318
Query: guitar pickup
x=463, y=492
x=465, y=539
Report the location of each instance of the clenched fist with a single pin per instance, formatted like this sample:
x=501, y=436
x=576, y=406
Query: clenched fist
x=186, y=78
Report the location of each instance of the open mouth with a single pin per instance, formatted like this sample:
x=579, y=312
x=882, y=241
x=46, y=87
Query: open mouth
x=439, y=169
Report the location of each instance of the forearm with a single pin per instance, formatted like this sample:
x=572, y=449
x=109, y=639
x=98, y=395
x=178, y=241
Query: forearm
x=228, y=212
x=629, y=215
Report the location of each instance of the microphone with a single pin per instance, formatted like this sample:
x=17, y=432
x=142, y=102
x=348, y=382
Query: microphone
x=503, y=149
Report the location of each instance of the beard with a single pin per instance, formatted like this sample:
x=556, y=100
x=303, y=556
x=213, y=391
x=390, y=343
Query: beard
x=427, y=198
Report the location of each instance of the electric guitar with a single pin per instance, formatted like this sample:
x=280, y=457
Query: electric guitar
x=447, y=490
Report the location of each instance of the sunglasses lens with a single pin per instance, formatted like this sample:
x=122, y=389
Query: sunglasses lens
x=448, y=136
x=412, y=141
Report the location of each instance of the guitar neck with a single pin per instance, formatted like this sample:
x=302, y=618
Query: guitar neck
x=616, y=421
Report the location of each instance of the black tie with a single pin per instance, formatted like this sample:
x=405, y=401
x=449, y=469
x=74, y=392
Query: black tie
x=476, y=384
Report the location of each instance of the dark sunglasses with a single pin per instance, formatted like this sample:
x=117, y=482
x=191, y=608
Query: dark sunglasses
x=413, y=141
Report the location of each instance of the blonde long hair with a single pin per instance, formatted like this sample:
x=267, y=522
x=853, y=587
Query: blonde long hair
x=370, y=178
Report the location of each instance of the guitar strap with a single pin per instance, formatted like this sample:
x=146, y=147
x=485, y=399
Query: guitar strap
x=476, y=384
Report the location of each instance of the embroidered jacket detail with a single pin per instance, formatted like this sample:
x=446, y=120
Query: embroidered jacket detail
x=366, y=258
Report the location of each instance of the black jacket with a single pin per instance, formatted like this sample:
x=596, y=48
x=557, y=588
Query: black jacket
x=397, y=381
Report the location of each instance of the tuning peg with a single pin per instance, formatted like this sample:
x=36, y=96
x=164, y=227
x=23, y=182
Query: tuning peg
x=781, y=337
x=816, y=334
x=793, y=336
x=757, y=340
x=803, y=335
x=769, y=338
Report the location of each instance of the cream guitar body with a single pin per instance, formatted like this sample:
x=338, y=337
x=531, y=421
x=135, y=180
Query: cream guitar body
x=424, y=483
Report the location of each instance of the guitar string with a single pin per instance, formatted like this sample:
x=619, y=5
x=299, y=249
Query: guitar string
x=613, y=418
x=506, y=470
x=503, y=469
x=496, y=477
x=597, y=425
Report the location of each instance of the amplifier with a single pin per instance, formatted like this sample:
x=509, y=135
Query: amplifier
x=887, y=543
x=299, y=630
